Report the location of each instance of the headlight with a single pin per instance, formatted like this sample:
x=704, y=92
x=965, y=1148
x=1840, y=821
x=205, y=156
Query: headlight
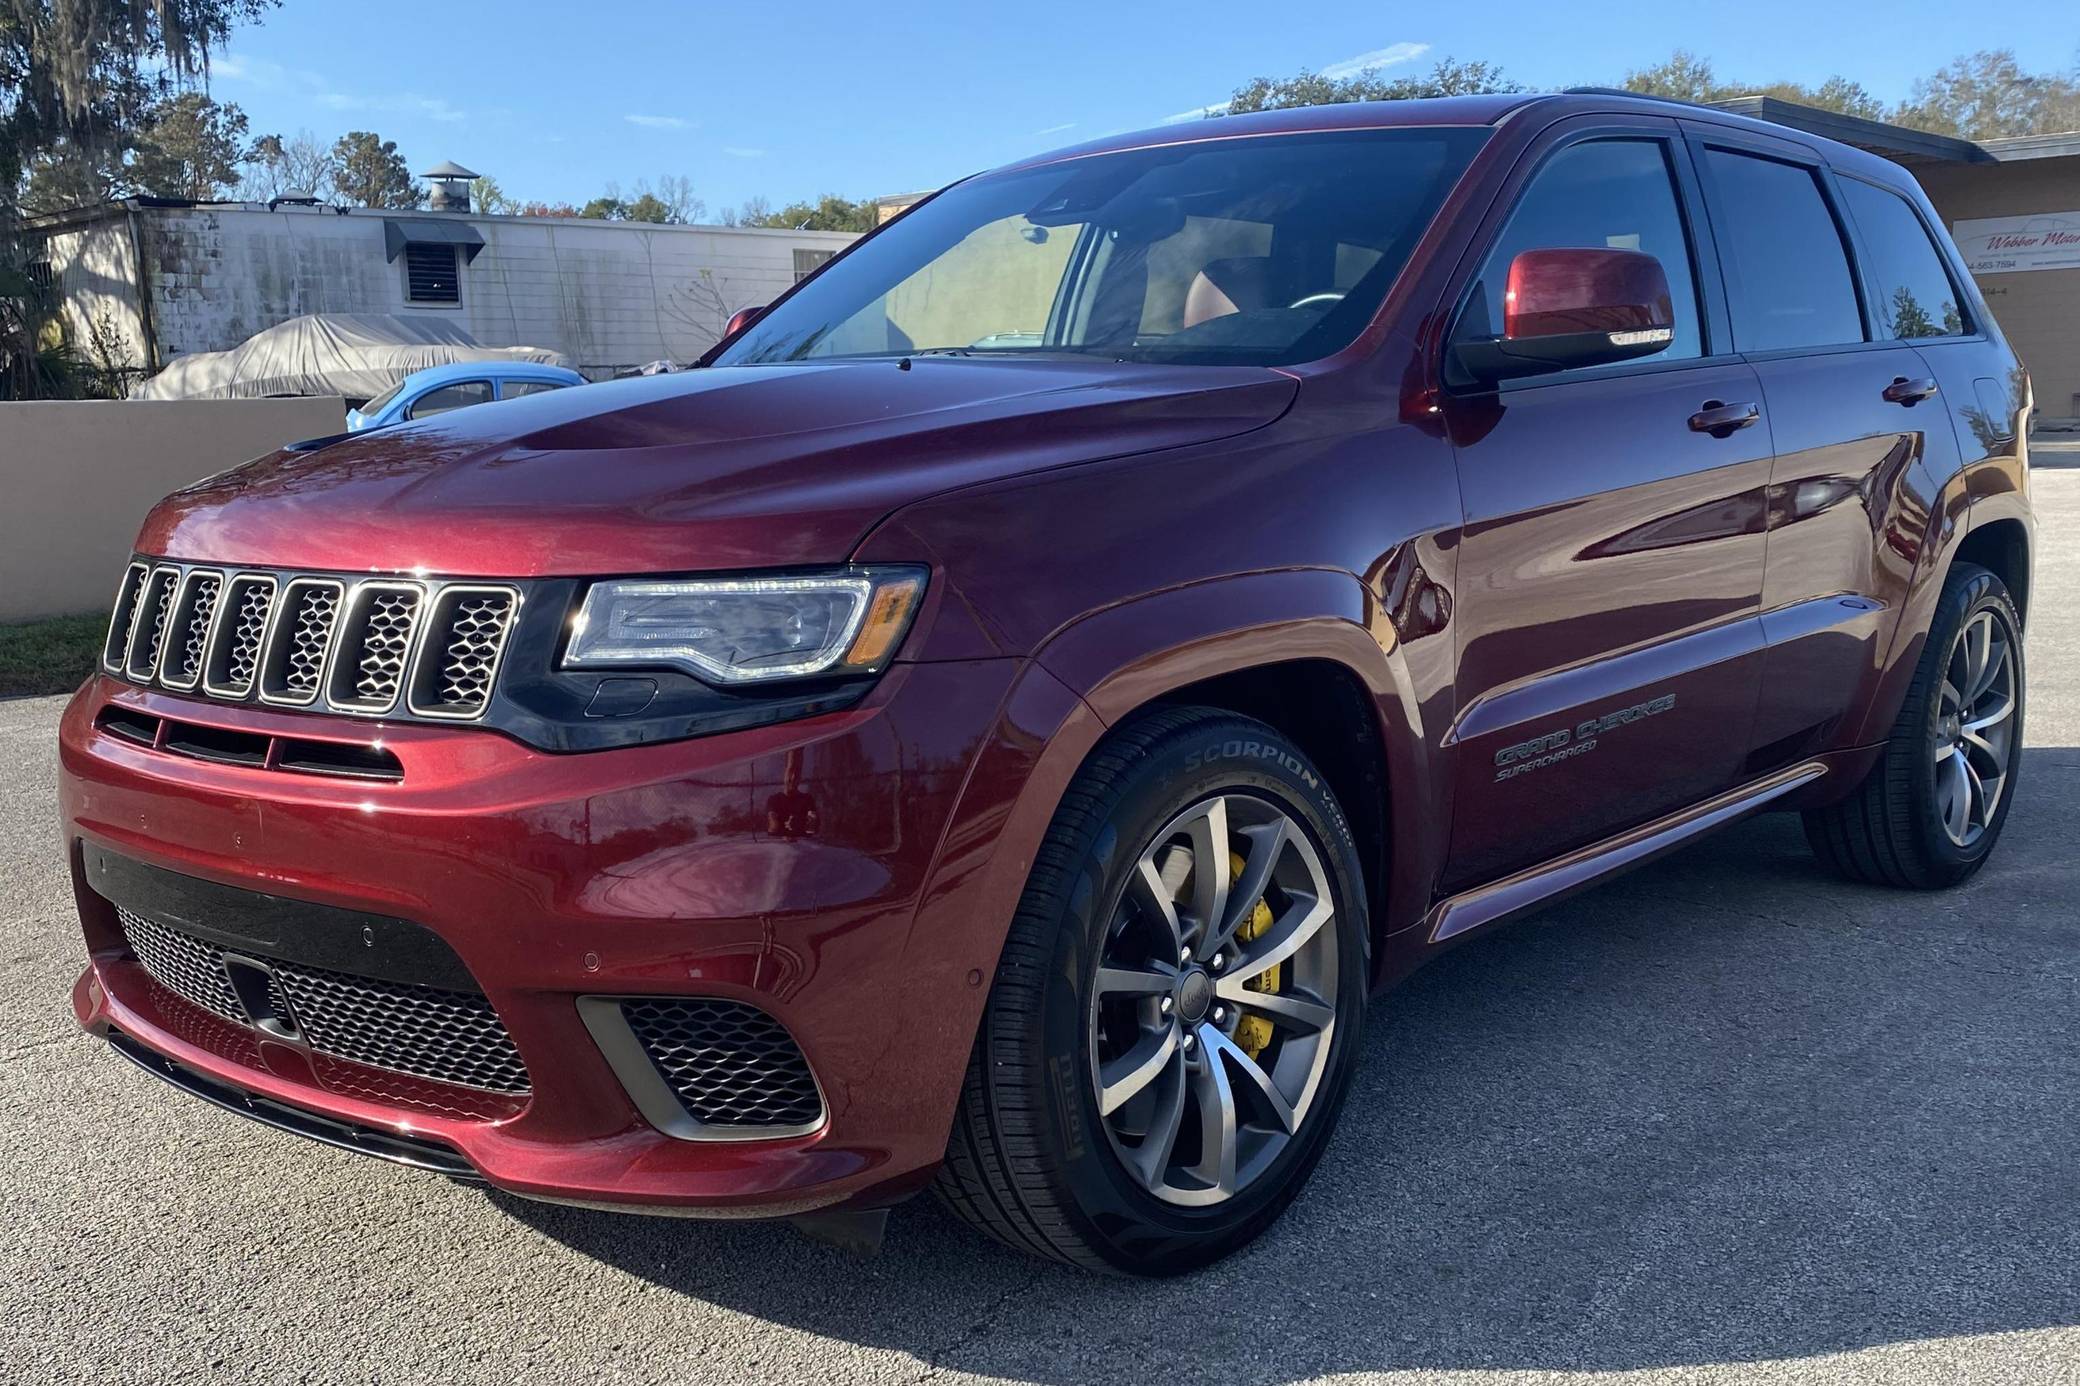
x=746, y=630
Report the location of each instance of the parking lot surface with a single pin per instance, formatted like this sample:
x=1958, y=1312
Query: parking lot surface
x=1725, y=1119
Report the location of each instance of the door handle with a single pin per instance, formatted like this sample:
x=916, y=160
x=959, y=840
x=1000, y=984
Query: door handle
x=1720, y=419
x=1909, y=392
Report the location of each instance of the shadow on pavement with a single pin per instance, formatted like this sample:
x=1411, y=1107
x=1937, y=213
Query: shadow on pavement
x=1725, y=1109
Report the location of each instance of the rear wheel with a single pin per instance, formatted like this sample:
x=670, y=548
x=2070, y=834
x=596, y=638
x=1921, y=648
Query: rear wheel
x=1929, y=813
x=1174, y=1020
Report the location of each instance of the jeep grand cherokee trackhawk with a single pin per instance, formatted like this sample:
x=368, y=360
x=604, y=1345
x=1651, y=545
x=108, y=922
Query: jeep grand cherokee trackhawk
x=995, y=724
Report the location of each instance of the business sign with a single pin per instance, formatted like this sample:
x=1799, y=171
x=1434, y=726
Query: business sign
x=2010, y=245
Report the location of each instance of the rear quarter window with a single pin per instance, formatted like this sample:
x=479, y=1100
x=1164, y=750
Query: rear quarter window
x=1916, y=297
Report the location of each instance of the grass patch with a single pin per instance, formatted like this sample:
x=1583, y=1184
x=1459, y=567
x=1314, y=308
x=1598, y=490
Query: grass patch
x=53, y=656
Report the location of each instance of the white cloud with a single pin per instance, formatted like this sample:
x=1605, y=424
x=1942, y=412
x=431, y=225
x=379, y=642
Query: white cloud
x=1195, y=113
x=741, y=151
x=319, y=90
x=396, y=103
x=1052, y=130
x=1390, y=56
x=658, y=122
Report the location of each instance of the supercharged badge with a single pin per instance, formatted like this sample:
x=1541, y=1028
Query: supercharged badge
x=1569, y=742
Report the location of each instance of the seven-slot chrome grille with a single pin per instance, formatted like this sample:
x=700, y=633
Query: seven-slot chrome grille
x=370, y=647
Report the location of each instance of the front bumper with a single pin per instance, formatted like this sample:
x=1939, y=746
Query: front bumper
x=828, y=871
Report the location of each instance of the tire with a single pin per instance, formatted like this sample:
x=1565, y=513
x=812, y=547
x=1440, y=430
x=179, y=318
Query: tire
x=1898, y=827
x=1031, y=1159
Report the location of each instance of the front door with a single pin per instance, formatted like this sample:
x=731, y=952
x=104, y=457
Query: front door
x=1611, y=564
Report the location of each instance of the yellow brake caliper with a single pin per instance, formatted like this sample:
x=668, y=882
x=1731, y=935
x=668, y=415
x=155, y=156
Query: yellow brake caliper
x=1253, y=1032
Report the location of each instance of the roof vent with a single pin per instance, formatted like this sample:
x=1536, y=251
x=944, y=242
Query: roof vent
x=450, y=186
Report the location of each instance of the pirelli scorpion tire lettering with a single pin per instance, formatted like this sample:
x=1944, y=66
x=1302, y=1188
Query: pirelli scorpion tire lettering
x=1178, y=1007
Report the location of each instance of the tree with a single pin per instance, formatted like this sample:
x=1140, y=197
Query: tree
x=829, y=212
x=1686, y=77
x=753, y=213
x=486, y=196
x=647, y=207
x=1448, y=78
x=69, y=175
x=1988, y=96
x=371, y=173
x=676, y=193
x=72, y=73
x=289, y=168
x=188, y=147
x=671, y=203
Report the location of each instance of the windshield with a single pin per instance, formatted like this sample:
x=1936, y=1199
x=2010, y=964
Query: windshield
x=381, y=402
x=1265, y=250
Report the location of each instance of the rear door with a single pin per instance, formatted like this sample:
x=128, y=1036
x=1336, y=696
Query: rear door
x=1858, y=423
x=1612, y=559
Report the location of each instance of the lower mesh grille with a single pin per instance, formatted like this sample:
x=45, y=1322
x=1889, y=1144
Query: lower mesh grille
x=428, y=1032
x=729, y=1064
x=184, y=965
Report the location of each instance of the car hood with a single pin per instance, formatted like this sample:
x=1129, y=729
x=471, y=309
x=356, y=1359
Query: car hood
x=728, y=468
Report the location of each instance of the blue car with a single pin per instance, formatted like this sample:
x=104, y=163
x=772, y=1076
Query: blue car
x=438, y=389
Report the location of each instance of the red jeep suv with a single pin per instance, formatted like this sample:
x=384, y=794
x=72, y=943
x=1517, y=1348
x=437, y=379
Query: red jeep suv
x=994, y=725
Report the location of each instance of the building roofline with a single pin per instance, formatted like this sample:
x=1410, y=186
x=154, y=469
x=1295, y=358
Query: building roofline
x=2063, y=145
x=102, y=211
x=1900, y=143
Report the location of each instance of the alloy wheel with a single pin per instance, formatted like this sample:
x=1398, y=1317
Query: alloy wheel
x=1214, y=1004
x=1974, y=730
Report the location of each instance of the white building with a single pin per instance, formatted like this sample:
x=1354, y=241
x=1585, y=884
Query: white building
x=144, y=281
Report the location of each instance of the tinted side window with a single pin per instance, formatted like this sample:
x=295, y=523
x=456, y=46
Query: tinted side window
x=1794, y=288
x=514, y=389
x=1916, y=297
x=460, y=395
x=1605, y=193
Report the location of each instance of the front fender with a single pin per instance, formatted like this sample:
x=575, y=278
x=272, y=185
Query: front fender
x=1125, y=657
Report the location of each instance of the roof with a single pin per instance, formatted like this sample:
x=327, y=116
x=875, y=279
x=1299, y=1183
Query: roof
x=446, y=168
x=1900, y=143
x=2060, y=146
x=502, y=370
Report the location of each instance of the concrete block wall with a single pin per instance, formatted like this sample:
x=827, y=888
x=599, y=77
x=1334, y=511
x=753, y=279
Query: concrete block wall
x=79, y=477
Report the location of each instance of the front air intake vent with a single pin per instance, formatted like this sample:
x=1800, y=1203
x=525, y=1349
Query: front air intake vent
x=375, y=646
x=187, y=643
x=430, y=1032
x=705, y=1068
x=234, y=657
x=460, y=663
x=116, y=648
x=293, y=664
x=150, y=618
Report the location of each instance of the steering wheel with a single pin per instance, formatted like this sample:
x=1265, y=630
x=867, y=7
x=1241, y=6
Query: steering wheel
x=1308, y=302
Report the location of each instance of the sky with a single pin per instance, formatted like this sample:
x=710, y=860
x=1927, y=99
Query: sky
x=787, y=101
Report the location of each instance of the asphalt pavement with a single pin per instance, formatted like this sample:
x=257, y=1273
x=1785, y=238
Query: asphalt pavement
x=1723, y=1120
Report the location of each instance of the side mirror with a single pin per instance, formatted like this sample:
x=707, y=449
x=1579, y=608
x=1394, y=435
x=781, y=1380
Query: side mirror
x=742, y=319
x=1565, y=309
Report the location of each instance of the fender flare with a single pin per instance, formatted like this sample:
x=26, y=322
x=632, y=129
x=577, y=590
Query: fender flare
x=1090, y=675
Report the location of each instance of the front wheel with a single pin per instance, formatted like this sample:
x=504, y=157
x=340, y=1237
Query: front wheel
x=1175, y=1017
x=1929, y=813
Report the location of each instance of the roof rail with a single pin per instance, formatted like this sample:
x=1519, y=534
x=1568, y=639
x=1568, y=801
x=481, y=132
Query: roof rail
x=1634, y=95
